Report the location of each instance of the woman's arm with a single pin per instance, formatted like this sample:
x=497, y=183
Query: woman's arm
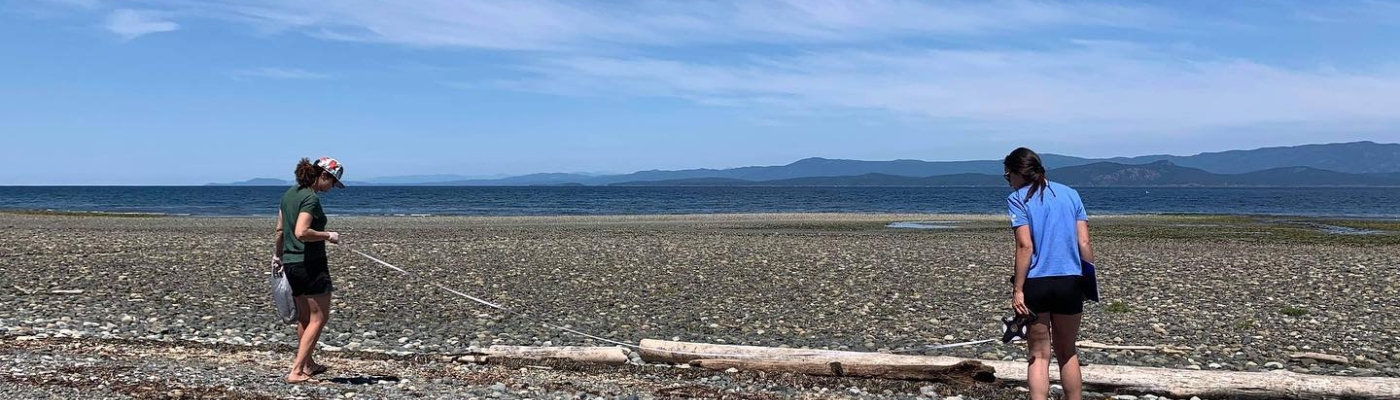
x=305, y=234
x=1086, y=250
x=1024, y=249
x=277, y=238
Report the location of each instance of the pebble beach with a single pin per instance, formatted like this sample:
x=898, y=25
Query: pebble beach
x=182, y=303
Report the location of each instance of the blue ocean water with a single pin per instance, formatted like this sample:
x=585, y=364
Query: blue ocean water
x=414, y=200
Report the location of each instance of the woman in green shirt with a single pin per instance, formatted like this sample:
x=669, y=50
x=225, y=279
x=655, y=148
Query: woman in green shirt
x=301, y=253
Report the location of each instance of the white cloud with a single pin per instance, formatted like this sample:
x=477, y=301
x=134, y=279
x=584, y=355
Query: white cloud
x=561, y=25
x=278, y=73
x=1088, y=87
x=131, y=24
x=1362, y=12
x=925, y=59
x=81, y=4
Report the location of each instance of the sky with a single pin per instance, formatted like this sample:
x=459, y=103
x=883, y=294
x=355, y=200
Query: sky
x=133, y=92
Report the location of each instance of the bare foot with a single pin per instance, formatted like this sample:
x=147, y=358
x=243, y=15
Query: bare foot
x=314, y=369
x=298, y=377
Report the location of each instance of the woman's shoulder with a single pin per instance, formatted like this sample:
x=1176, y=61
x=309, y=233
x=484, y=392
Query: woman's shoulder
x=1060, y=186
x=1019, y=193
x=301, y=194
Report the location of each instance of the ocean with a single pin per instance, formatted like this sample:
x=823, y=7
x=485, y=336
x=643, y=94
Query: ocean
x=1371, y=203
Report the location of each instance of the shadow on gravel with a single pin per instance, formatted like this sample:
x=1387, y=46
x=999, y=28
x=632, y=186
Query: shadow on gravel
x=364, y=380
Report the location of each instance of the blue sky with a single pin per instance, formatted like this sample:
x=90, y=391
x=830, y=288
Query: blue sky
x=188, y=92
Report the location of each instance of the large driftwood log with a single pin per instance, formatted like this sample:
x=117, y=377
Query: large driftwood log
x=961, y=371
x=1161, y=381
x=682, y=352
x=596, y=355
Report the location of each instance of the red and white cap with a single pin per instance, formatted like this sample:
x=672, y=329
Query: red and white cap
x=332, y=167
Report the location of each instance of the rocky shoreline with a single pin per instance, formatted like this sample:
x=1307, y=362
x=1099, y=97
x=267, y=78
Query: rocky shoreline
x=1229, y=293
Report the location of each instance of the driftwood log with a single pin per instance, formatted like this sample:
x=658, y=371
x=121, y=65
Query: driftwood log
x=817, y=362
x=1161, y=381
x=956, y=372
x=595, y=355
x=1321, y=357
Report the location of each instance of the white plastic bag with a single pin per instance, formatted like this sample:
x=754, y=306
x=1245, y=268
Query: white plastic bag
x=282, y=296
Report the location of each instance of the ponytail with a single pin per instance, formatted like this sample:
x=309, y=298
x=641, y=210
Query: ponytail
x=1038, y=184
x=1026, y=163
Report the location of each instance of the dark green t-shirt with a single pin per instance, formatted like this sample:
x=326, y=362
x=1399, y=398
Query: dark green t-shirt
x=294, y=202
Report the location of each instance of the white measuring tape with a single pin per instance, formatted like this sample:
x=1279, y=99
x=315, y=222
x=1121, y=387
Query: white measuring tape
x=619, y=343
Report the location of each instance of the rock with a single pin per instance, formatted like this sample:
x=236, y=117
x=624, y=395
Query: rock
x=958, y=397
x=26, y=338
x=498, y=387
x=1273, y=365
x=176, y=394
x=732, y=370
x=158, y=328
x=1214, y=365
x=1057, y=390
x=1193, y=367
x=930, y=391
x=1125, y=397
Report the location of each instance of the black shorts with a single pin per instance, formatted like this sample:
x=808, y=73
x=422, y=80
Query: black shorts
x=1054, y=294
x=309, y=278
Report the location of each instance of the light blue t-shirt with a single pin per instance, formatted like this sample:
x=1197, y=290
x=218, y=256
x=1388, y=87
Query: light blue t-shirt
x=1053, y=220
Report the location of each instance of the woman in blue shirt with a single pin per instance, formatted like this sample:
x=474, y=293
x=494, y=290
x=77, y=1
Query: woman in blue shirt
x=1052, y=238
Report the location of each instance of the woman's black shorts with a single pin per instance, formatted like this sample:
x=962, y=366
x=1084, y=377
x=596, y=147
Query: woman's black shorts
x=1053, y=294
x=309, y=278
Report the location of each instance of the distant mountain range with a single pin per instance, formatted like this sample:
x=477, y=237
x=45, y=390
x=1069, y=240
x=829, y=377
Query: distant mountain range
x=1157, y=174
x=1340, y=164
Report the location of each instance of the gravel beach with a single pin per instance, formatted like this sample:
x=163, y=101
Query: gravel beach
x=1229, y=293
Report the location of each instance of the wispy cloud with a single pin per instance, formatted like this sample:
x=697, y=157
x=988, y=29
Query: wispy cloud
x=1000, y=64
x=1363, y=12
x=561, y=25
x=1083, y=87
x=82, y=4
x=131, y=24
x=278, y=73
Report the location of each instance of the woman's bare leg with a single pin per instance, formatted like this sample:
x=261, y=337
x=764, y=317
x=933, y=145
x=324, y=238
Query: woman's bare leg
x=1066, y=332
x=317, y=311
x=304, y=319
x=1038, y=366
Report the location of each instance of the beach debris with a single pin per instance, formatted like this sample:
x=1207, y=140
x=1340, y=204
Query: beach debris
x=1320, y=357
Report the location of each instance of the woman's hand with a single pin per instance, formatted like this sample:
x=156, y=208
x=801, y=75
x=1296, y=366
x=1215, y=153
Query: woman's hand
x=276, y=264
x=335, y=237
x=1018, y=303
